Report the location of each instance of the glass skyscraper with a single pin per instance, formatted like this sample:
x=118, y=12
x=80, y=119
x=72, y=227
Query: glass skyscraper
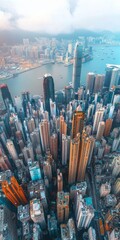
x=77, y=66
x=49, y=93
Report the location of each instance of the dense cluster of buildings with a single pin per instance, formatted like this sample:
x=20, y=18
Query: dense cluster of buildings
x=60, y=159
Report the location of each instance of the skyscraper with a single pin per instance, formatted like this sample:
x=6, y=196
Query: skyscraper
x=86, y=150
x=98, y=117
x=73, y=161
x=6, y=96
x=77, y=66
x=48, y=87
x=62, y=206
x=100, y=130
x=12, y=190
x=98, y=83
x=108, y=75
x=115, y=78
x=108, y=126
x=77, y=123
x=37, y=212
x=90, y=81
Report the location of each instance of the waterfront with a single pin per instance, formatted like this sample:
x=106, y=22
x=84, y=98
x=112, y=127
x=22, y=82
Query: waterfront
x=33, y=80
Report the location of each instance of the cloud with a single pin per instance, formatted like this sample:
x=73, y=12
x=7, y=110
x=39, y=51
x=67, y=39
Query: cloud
x=60, y=16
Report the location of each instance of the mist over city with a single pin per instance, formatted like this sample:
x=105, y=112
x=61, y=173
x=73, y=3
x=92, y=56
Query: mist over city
x=59, y=120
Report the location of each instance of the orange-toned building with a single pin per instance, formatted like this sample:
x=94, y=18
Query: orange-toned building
x=108, y=126
x=77, y=123
x=12, y=190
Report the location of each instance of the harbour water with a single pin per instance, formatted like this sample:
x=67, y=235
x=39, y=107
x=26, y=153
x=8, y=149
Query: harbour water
x=33, y=80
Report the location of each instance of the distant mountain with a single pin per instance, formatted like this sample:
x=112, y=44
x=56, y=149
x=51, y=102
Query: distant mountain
x=16, y=36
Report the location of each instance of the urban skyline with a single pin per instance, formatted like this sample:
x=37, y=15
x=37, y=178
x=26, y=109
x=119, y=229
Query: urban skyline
x=60, y=155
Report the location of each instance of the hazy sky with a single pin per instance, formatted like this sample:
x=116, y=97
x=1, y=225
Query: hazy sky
x=60, y=16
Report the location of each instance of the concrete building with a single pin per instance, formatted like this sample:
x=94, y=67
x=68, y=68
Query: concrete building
x=12, y=190
x=37, y=213
x=110, y=200
x=78, y=187
x=92, y=233
x=105, y=189
x=59, y=181
x=108, y=126
x=44, y=128
x=8, y=224
x=74, y=156
x=98, y=85
x=54, y=146
x=83, y=213
x=86, y=151
x=116, y=187
x=62, y=206
x=100, y=130
x=35, y=171
x=65, y=149
x=116, y=166
x=90, y=82
x=11, y=149
x=98, y=118
x=68, y=230
x=77, y=123
x=23, y=213
x=114, y=235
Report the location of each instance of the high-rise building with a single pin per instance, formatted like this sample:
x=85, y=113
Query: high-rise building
x=116, y=166
x=86, y=151
x=62, y=206
x=98, y=85
x=68, y=230
x=52, y=225
x=35, y=171
x=115, y=78
x=12, y=190
x=108, y=126
x=47, y=168
x=65, y=149
x=11, y=149
x=83, y=213
x=8, y=224
x=54, y=146
x=98, y=118
x=79, y=187
x=105, y=189
x=90, y=82
x=6, y=96
x=37, y=190
x=37, y=213
x=77, y=123
x=59, y=181
x=114, y=235
x=108, y=75
x=77, y=66
x=44, y=127
x=48, y=87
x=23, y=213
x=74, y=156
x=100, y=130
x=116, y=187
x=63, y=126
x=69, y=94
x=91, y=233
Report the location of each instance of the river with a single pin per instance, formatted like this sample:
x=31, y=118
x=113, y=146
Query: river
x=33, y=80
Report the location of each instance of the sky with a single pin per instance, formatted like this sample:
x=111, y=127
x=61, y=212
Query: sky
x=60, y=16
